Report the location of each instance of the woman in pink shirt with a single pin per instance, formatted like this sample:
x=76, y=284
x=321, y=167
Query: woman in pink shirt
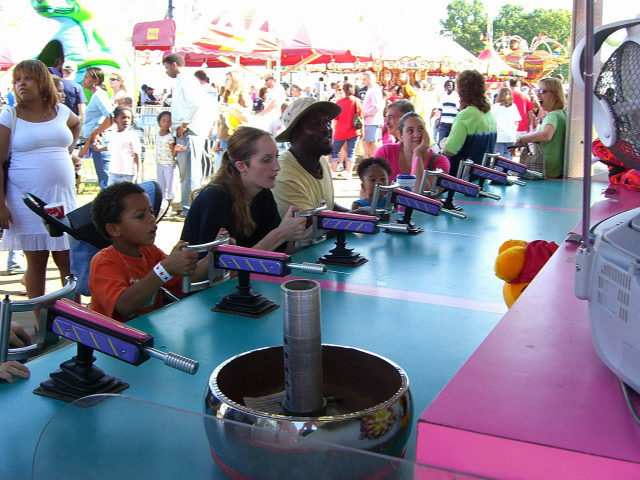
x=414, y=142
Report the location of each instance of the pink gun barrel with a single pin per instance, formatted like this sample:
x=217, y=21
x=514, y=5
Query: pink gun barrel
x=116, y=339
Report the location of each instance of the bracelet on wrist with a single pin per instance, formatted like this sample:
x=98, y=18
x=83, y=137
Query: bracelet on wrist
x=162, y=274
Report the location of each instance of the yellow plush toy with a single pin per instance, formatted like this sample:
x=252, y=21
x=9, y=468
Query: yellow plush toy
x=518, y=262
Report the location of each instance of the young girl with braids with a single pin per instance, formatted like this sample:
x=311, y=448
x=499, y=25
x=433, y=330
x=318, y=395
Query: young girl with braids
x=239, y=198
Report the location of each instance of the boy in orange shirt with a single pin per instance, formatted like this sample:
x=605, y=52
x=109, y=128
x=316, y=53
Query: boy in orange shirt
x=125, y=278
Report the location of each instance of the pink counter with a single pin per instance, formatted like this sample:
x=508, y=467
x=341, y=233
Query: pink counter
x=535, y=401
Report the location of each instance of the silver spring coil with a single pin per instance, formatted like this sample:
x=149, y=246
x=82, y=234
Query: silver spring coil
x=307, y=267
x=174, y=360
x=181, y=363
x=302, y=346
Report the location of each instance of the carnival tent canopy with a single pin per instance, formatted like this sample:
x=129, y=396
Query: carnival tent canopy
x=252, y=47
x=305, y=48
x=304, y=42
x=214, y=46
x=420, y=50
x=493, y=65
x=6, y=60
x=428, y=46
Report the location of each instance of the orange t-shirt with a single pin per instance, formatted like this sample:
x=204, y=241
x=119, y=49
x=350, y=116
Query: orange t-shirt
x=112, y=272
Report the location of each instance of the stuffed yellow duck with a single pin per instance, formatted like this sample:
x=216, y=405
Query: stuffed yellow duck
x=518, y=262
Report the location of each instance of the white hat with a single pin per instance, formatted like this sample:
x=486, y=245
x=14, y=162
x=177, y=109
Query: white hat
x=70, y=66
x=299, y=108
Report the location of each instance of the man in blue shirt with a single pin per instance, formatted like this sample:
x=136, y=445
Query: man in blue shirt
x=75, y=97
x=11, y=98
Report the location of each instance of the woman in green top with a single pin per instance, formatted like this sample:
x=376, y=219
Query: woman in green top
x=552, y=130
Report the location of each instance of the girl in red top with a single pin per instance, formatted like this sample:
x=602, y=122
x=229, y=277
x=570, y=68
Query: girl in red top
x=344, y=131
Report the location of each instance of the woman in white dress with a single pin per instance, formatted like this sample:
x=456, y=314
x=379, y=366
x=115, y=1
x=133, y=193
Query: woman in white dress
x=40, y=145
x=507, y=118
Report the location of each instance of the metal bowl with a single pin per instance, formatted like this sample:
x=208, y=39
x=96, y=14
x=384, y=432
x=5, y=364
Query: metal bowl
x=368, y=407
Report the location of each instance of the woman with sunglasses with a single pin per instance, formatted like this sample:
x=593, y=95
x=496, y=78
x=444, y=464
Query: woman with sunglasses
x=119, y=90
x=552, y=130
x=98, y=109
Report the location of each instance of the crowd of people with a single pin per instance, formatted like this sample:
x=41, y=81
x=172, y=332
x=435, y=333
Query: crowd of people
x=274, y=150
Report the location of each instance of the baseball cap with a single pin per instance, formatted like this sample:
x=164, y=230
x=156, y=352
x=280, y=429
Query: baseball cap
x=70, y=66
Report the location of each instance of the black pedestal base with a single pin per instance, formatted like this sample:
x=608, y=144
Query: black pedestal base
x=412, y=228
x=78, y=378
x=341, y=255
x=245, y=302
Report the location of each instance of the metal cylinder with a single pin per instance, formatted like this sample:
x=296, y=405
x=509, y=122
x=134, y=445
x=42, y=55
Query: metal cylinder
x=302, y=346
x=5, y=327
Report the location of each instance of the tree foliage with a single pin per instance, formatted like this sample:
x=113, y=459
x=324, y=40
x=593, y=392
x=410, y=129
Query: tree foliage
x=466, y=23
x=555, y=24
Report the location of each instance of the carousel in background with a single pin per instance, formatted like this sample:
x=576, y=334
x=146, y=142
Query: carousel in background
x=538, y=59
x=401, y=60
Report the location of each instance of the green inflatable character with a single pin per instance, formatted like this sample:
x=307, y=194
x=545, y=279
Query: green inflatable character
x=77, y=38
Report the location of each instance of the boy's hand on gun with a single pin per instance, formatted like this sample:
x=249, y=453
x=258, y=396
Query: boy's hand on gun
x=180, y=262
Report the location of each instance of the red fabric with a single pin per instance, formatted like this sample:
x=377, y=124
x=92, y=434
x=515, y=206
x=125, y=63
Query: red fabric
x=619, y=173
x=343, y=129
x=525, y=105
x=536, y=255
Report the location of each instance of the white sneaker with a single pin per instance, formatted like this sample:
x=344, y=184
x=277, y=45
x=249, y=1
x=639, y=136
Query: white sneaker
x=347, y=175
x=334, y=175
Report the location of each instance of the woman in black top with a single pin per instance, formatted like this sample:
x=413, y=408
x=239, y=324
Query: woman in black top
x=239, y=198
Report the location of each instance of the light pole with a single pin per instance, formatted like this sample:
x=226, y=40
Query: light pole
x=170, y=10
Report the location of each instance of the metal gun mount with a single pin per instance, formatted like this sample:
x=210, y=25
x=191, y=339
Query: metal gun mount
x=408, y=200
x=215, y=275
x=461, y=184
x=439, y=179
x=502, y=164
x=316, y=235
x=79, y=377
x=341, y=223
x=245, y=261
x=468, y=168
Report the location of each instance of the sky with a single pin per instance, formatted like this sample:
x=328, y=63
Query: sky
x=613, y=10
x=119, y=13
x=117, y=17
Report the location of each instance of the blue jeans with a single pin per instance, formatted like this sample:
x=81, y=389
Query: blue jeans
x=351, y=149
x=119, y=177
x=502, y=149
x=190, y=166
x=217, y=156
x=15, y=259
x=443, y=130
x=101, y=161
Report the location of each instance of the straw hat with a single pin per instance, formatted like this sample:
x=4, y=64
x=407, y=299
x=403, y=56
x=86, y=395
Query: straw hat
x=299, y=108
